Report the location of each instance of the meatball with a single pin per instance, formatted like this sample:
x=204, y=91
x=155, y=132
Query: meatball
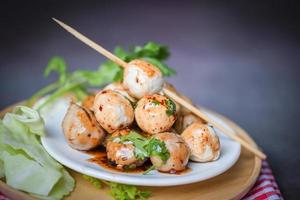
x=122, y=154
x=118, y=87
x=179, y=153
x=189, y=119
x=88, y=102
x=183, y=121
x=155, y=113
x=202, y=141
x=112, y=110
x=81, y=128
x=142, y=78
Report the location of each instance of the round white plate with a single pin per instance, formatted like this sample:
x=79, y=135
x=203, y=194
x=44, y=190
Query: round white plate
x=56, y=145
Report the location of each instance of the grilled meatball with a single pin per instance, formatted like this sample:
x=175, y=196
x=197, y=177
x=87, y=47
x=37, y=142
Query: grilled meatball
x=179, y=153
x=155, y=113
x=189, y=119
x=81, y=128
x=122, y=154
x=202, y=141
x=142, y=78
x=112, y=110
x=88, y=102
x=118, y=87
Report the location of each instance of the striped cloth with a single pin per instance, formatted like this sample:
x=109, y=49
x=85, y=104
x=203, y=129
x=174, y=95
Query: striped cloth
x=265, y=187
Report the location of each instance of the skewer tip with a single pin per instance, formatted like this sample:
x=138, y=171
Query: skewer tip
x=56, y=20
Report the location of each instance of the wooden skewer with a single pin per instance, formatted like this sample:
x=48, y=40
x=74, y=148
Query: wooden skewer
x=169, y=93
x=92, y=44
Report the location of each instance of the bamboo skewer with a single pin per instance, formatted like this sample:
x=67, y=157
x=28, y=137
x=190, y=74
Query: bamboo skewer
x=166, y=91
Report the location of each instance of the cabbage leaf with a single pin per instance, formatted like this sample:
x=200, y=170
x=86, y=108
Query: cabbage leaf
x=24, y=162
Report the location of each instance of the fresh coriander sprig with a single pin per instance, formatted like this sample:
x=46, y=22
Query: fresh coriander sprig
x=145, y=147
x=139, y=143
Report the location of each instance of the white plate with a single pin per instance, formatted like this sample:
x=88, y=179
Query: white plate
x=56, y=145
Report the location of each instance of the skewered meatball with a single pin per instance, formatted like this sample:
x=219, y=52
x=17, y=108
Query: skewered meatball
x=122, y=154
x=179, y=153
x=118, y=87
x=203, y=142
x=142, y=78
x=155, y=113
x=112, y=110
x=81, y=129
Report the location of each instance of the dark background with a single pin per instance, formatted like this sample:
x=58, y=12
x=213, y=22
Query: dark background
x=240, y=59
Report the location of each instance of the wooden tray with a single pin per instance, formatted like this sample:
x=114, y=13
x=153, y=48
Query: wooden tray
x=233, y=184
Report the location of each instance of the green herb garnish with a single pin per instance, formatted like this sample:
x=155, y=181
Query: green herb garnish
x=120, y=191
x=171, y=107
x=145, y=147
x=139, y=143
x=158, y=148
x=80, y=81
x=96, y=182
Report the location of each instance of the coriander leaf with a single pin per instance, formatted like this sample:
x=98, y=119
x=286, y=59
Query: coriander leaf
x=171, y=107
x=107, y=72
x=139, y=143
x=96, y=182
x=161, y=51
x=58, y=65
x=121, y=53
x=158, y=148
x=120, y=191
x=152, y=50
x=126, y=192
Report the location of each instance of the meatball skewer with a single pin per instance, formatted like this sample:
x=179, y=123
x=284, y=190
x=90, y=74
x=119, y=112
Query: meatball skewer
x=169, y=93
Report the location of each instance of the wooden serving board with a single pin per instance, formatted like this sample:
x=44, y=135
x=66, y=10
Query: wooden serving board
x=233, y=184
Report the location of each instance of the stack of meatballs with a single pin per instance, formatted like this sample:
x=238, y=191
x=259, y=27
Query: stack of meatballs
x=138, y=104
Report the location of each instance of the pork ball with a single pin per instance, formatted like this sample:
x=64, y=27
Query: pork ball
x=202, y=141
x=118, y=87
x=112, y=110
x=88, y=102
x=189, y=119
x=142, y=78
x=179, y=153
x=121, y=153
x=155, y=113
x=81, y=128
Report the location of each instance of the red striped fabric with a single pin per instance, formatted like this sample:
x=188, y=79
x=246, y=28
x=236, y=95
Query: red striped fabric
x=265, y=187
